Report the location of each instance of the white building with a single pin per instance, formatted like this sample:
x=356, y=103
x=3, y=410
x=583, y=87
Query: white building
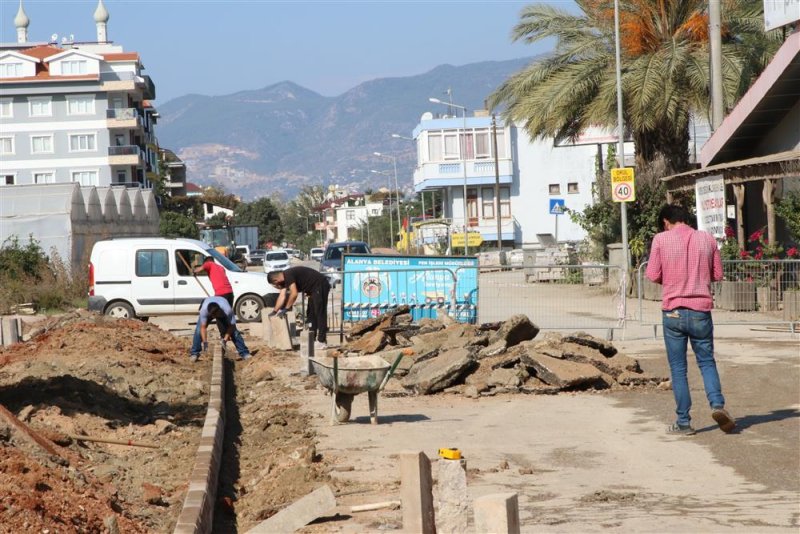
x=534, y=175
x=75, y=112
x=354, y=213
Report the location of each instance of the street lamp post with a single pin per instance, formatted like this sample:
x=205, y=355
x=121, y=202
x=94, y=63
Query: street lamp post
x=463, y=146
x=396, y=187
x=391, y=227
x=421, y=193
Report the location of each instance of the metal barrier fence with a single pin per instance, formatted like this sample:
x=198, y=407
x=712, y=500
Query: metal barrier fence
x=585, y=297
x=752, y=292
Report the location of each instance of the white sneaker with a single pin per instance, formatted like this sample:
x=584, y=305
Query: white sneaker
x=319, y=345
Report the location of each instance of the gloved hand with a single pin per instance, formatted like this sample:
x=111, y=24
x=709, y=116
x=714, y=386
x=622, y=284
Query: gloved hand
x=273, y=313
x=205, y=346
x=281, y=313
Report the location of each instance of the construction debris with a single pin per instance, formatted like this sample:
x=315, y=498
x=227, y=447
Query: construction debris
x=441, y=355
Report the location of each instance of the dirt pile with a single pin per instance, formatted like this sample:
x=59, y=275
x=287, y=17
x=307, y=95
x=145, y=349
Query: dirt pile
x=88, y=375
x=438, y=355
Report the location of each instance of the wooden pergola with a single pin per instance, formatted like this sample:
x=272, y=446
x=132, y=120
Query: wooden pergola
x=767, y=169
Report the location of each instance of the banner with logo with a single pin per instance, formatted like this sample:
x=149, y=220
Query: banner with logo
x=430, y=285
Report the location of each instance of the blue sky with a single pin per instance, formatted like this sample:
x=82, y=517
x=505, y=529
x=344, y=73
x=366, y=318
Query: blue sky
x=219, y=47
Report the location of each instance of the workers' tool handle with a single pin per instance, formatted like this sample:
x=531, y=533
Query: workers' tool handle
x=391, y=371
x=180, y=255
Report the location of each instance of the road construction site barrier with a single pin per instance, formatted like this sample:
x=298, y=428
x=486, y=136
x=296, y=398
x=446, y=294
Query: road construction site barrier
x=753, y=292
x=428, y=292
x=559, y=297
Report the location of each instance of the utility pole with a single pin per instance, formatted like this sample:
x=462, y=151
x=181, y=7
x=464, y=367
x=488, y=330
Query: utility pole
x=715, y=40
x=497, y=185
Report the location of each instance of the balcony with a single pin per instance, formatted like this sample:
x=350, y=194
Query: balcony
x=436, y=175
x=125, y=155
x=123, y=118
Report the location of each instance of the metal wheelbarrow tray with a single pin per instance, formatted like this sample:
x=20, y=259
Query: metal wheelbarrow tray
x=345, y=378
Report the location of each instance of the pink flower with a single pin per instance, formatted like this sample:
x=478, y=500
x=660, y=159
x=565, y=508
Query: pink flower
x=755, y=236
x=744, y=254
x=792, y=252
x=729, y=232
x=759, y=254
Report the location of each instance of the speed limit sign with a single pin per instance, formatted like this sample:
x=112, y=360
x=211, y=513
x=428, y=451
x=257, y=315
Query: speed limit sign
x=622, y=185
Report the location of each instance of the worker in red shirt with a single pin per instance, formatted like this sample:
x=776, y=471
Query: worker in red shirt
x=685, y=262
x=218, y=277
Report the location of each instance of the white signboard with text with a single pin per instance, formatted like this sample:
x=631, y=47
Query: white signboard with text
x=779, y=13
x=710, y=198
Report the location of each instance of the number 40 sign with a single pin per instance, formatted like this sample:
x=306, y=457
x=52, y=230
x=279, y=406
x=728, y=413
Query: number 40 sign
x=622, y=185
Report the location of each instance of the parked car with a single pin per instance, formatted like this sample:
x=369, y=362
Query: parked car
x=257, y=256
x=331, y=262
x=150, y=276
x=276, y=260
x=316, y=253
x=296, y=254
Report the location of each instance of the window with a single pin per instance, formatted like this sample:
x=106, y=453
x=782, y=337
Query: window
x=572, y=188
x=435, y=147
x=41, y=144
x=350, y=215
x=501, y=143
x=6, y=108
x=7, y=144
x=482, y=145
x=82, y=143
x=6, y=179
x=192, y=258
x=40, y=107
x=451, y=146
x=80, y=105
x=487, y=201
x=152, y=263
x=122, y=176
x=74, y=66
x=44, y=178
x=505, y=203
x=85, y=177
x=10, y=70
x=555, y=189
x=375, y=212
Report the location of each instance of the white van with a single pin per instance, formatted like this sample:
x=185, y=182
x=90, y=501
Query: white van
x=145, y=276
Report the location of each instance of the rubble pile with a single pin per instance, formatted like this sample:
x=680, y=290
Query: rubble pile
x=441, y=354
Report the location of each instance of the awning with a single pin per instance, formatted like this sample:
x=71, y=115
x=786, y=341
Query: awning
x=772, y=166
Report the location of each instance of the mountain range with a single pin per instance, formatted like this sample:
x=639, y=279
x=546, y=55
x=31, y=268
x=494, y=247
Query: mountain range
x=274, y=140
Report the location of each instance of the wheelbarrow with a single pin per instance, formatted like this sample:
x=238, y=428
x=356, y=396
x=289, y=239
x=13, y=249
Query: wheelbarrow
x=345, y=378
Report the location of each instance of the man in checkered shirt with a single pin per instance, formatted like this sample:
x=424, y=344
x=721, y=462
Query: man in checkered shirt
x=685, y=261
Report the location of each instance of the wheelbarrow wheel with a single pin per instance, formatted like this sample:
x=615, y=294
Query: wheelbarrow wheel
x=344, y=404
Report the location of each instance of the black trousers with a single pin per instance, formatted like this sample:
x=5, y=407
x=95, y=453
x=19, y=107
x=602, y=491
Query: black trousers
x=317, y=311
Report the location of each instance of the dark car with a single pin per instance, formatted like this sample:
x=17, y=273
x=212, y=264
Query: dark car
x=257, y=256
x=331, y=261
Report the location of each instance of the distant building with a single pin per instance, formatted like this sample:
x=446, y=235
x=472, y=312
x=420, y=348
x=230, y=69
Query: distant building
x=75, y=111
x=174, y=172
x=193, y=190
x=341, y=214
x=533, y=174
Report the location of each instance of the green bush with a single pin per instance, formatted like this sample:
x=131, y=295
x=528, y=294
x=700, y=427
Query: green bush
x=27, y=275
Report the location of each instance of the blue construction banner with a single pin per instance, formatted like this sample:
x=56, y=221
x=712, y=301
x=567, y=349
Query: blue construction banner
x=430, y=285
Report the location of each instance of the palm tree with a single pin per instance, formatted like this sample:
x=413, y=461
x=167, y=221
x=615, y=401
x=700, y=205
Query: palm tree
x=665, y=61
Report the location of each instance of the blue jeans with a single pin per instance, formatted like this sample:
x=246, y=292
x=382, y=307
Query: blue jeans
x=238, y=340
x=681, y=325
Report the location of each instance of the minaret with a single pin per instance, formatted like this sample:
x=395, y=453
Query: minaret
x=101, y=20
x=21, y=21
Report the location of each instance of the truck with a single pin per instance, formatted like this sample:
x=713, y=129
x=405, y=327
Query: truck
x=246, y=235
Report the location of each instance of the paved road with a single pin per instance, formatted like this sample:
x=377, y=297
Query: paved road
x=601, y=461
